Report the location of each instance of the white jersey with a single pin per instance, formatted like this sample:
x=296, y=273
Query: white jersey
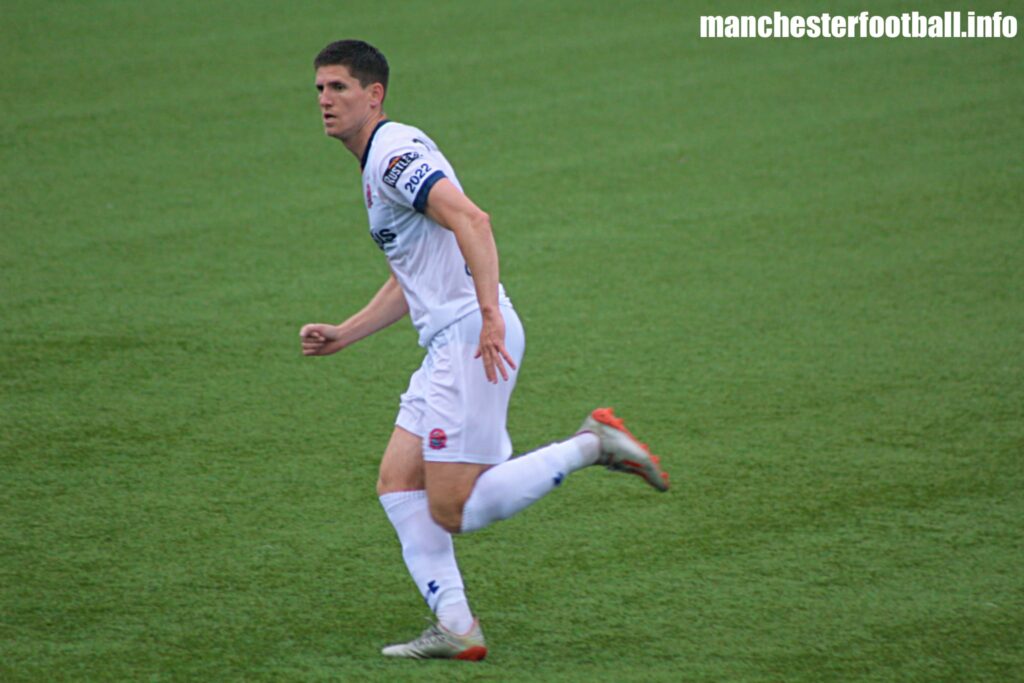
x=400, y=166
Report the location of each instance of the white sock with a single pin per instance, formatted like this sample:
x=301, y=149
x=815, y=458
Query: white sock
x=430, y=556
x=502, y=491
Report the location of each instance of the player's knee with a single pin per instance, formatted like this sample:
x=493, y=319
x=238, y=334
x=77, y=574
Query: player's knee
x=447, y=515
x=389, y=483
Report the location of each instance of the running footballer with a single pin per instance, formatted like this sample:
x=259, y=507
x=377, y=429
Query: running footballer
x=447, y=468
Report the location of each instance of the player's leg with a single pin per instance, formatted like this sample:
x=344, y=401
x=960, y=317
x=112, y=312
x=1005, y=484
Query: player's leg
x=466, y=416
x=467, y=497
x=426, y=548
x=448, y=486
x=429, y=555
x=603, y=439
x=516, y=484
x=506, y=489
x=401, y=468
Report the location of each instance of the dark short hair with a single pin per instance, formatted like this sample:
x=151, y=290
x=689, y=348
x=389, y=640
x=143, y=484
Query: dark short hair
x=364, y=61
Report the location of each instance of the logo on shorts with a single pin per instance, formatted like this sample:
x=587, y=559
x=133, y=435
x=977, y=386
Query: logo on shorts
x=396, y=165
x=438, y=439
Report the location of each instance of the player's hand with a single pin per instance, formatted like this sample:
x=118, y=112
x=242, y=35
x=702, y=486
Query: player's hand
x=492, y=347
x=319, y=339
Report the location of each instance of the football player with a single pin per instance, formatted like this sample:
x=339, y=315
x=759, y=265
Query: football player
x=447, y=467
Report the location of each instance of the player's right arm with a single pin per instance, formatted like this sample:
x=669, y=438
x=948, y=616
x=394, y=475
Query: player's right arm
x=387, y=307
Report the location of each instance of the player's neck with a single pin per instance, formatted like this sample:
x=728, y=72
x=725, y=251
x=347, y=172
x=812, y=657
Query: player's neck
x=357, y=143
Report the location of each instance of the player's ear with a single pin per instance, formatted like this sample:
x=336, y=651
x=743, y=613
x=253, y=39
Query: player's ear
x=377, y=93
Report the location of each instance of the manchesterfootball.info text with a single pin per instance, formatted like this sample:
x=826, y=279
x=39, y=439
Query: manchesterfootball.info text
x=863, y=25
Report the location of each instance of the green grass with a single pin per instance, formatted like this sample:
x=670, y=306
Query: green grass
x=794, y=266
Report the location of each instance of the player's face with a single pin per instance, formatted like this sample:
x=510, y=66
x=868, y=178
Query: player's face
x=345, y=105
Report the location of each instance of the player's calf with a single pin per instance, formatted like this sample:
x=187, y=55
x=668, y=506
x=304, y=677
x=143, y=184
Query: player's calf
x=447, y=514
x=449, y=485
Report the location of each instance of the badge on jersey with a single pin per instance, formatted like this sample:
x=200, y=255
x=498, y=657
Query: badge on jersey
x=408, y=176
x=397, y=165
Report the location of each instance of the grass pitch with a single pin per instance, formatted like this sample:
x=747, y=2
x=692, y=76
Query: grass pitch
x=793, y=266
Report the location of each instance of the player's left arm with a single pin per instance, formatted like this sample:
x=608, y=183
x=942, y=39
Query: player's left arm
x=449, y=207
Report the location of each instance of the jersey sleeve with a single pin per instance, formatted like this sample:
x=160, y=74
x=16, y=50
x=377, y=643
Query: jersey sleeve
x=407, y=174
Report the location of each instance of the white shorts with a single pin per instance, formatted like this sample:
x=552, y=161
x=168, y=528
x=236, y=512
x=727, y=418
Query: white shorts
x=450, y=404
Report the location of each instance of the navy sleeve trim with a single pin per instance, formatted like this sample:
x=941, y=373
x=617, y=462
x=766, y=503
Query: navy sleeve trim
x=420, y=203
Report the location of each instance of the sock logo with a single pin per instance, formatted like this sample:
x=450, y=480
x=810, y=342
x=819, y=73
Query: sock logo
x=558, y=478
x=432, y=587
x=438, y=439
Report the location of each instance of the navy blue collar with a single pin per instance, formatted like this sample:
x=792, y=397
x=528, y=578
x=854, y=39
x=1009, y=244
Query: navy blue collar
x=366, y=152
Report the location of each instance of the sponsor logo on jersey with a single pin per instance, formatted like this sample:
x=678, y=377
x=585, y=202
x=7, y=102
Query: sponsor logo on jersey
x=438, y=439
x=396, y=165
x=384, y=237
